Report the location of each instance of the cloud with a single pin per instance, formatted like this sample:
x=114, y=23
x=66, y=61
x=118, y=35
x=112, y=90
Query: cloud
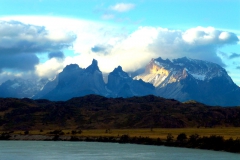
x=17, y=37
x=10, y=75
x=98, y=48
x=223, y=55
x=200, y=43
x=113, y=45
x=134, y=51
x=206, y=36
x=90, y=35
x=49, y=68
x=108, y=16
x=234, y=55
x=122, y=7
x=101, y=49
x=19, y=62
x=238, y=67
x=57, y=54
x=116, y=12
x=19, y=44
x=4, y=76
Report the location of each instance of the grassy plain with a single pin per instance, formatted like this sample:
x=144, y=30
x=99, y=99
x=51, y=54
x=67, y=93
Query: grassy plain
x=226, y=132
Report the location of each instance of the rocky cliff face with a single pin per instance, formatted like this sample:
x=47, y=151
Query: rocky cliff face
x=182, y=79
x=121, y=85
x=74, y=81
x=189, y=79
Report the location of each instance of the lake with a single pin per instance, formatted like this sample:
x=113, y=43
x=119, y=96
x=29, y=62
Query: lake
x=51, y=150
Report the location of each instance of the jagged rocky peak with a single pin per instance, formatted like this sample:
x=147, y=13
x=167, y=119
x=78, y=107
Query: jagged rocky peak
x=195, y=64
x=201, y=70
x=161, y=72
x=120, y=84
x=70, y=71
x=118, y=69
x=93, y=67
x=158, y=66
x=117, y=78
x=162, y=61
x=183, y=59
x=71, y=67
x=119, y=72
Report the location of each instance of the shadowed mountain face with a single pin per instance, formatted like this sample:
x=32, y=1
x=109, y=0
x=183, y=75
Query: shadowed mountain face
x=185, y=79
x=121, y=85
x=182, y=79
x=74, y=81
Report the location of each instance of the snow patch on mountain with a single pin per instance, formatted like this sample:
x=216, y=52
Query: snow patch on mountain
x=200, y=77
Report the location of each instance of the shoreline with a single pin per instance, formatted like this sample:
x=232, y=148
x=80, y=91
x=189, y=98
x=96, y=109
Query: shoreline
x=207, y=143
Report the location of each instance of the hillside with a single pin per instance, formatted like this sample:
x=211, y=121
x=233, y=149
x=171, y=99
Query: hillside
x=94, y=111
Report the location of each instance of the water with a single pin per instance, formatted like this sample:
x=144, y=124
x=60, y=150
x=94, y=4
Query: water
x=49, y=150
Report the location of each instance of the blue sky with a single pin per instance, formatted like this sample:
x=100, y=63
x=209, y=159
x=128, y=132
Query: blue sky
x=126, y=33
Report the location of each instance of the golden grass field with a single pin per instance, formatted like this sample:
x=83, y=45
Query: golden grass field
x=229, y=132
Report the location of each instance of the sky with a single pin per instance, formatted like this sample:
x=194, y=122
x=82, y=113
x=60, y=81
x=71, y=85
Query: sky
x=38, y=38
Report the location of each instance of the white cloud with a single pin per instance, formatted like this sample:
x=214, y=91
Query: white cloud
x=17, y=37
x=19, y=44
x=199, y=43
x=49, y=68
x=122, y=7
x=112, y=46
x=108, y=16
x=7, y=75
x=10, y=75
x=208, y=35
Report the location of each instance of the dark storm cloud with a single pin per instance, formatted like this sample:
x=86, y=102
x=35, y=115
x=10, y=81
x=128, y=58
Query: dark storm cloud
x=20, y=42
x=98, y=48
x=58, y=54
x=223, y=54
x=20, y=62
x=101, y=49
x=16, y=37
x=234, y=55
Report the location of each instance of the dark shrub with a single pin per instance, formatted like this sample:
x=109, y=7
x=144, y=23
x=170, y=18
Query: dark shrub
x=169, y=138
x=26, y=132
x=182, y=137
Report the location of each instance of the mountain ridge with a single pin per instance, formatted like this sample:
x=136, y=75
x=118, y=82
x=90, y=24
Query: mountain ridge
x=189, y=79
x=182, y=79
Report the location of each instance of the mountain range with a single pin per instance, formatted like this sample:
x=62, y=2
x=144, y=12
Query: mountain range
x=182, y=79
x=190, y=79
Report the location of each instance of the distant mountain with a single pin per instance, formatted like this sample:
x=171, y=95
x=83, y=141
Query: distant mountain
x=121, y=85
x=20, y=88
x=182, y=79
x=74, y=81
x=190, y=79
